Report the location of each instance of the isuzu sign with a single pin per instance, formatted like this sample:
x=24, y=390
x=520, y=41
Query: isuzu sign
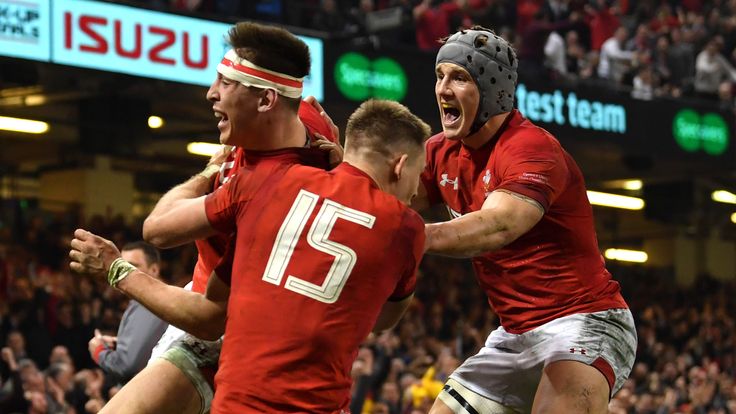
x=24, y=29
x=126, y=39
x=129, y=40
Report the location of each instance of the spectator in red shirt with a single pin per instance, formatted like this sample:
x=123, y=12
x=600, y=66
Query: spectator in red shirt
x=603, y=23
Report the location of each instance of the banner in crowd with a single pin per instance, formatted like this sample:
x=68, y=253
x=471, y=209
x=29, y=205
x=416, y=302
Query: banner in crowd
x=124, y=39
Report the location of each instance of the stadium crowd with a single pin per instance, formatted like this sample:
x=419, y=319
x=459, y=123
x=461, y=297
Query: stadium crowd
x=648, y=47
x=686, y=360
x=687, y=345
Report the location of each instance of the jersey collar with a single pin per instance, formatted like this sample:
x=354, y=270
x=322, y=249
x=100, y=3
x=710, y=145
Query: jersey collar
x=513, y=118
x=347, y=168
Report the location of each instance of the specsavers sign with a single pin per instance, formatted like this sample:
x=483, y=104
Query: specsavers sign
x=128, y=40
x=693, y=132
x=359, y=77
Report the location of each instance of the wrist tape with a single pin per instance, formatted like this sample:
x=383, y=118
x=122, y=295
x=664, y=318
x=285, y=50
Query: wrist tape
x=119, y=270
x=210, y=171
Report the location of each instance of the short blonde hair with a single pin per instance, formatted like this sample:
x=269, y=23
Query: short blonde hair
x=384, y=126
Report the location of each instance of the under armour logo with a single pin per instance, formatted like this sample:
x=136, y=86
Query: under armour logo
x=446, y=181
x=581, y=350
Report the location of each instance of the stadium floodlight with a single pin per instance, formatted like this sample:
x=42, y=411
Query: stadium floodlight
x=625, y=255
x=155, y=122
x=615, y=200
x=34, y=100
x=27, y=126
x=633, y=185
x=723, y=196
x=206, y=149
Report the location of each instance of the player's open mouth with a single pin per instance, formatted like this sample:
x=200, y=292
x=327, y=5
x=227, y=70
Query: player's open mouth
x=223, y=119
x=450, y=114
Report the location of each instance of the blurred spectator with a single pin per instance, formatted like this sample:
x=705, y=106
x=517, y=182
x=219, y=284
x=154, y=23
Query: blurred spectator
x=614, y=60
x=682, y=58
x=644, y=84
x=642, y=40
x=603, y=23
x=726, y=96
x=124, y=355
x=537, y=48
x=711, y=68
x=555, y=54
x=432, y=21
x=329, y=18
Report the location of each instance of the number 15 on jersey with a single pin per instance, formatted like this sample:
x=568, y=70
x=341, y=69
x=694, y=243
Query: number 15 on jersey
x=318, y=238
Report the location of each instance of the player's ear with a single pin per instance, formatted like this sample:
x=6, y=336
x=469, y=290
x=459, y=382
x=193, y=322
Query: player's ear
x=399, y=166
x=267, y=100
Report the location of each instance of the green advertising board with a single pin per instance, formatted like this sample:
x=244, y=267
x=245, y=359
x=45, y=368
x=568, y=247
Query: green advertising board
x=694, y=132
x=359, y=78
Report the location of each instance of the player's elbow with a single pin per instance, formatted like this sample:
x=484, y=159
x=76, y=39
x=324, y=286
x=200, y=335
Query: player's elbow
x=154, y=232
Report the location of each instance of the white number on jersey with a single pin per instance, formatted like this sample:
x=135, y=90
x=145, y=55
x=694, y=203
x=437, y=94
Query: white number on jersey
x=318, y=237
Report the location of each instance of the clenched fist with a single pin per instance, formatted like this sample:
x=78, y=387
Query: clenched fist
x=91, y=254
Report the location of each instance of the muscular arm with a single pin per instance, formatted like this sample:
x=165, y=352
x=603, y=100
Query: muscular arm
x=201, y=315
x=504, y=217
x=391, y=313
x=179, y=216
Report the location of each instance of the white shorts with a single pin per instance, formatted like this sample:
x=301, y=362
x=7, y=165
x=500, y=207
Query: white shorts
x=191, y=355
x=509, y=367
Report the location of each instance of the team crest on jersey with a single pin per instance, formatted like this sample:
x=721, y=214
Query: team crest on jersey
x=445, y=180
x=487, y=182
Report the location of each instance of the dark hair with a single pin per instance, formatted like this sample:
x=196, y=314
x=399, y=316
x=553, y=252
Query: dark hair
x=381, y=125
x=272, y=48
x=57, y=368
x=151, y=253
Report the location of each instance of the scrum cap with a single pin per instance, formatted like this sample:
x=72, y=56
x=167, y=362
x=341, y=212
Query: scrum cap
x=492, y=64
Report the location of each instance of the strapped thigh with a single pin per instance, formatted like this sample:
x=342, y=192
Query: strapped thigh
x=193, y=356
x=464, y=401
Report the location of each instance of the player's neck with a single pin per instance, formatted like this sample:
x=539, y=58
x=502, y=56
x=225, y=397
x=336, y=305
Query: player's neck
x=369, y=167
x=486, y=132
x=282, y=132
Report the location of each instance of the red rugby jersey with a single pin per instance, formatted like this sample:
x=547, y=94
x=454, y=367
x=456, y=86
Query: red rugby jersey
x=211, y=250
x=323, y=251
x=556, y=268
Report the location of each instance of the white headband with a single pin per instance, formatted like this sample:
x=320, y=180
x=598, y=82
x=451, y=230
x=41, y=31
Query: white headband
x=249, y=74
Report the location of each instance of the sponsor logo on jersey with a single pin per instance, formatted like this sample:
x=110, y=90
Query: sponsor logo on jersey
x=446, y=181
